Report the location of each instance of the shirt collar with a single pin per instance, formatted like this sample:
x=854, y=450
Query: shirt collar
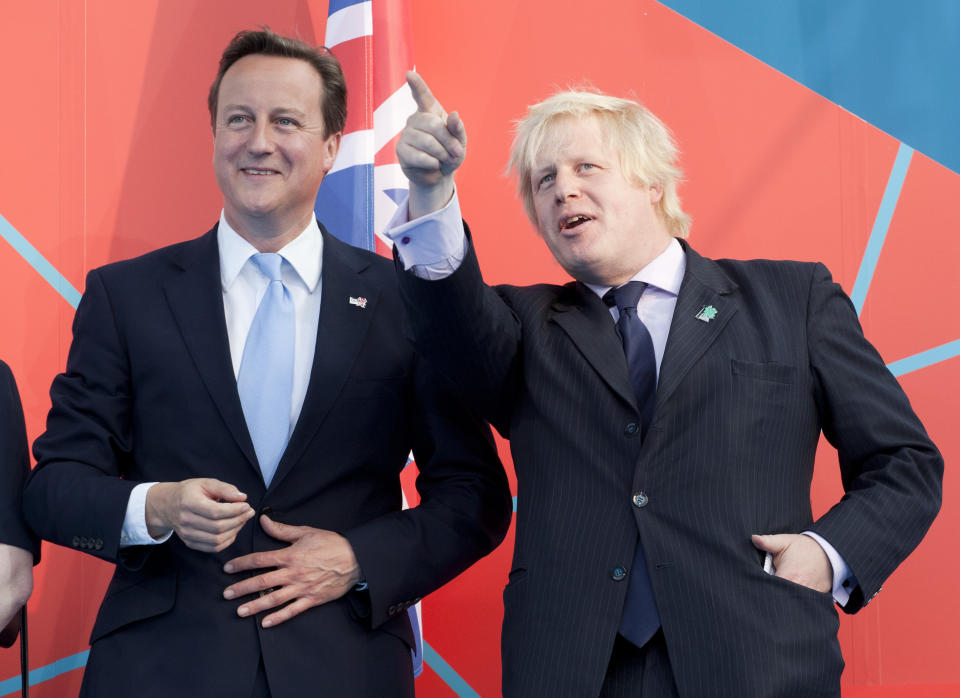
x=304, y=253
x=664, y=272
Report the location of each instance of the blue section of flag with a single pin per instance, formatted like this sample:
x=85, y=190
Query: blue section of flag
x=345, y=205
x=337, y=5
x=894, y=64
x=395, y=194
x=416, y=653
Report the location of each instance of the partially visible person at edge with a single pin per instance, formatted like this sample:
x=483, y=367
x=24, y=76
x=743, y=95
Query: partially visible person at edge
x=19, y=547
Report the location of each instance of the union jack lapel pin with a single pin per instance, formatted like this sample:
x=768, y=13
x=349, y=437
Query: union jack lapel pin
x=360, y=301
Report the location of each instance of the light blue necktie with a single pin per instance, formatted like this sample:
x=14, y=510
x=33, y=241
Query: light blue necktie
x=265, y=382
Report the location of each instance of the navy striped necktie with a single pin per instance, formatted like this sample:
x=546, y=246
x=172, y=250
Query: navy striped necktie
x=640, y=618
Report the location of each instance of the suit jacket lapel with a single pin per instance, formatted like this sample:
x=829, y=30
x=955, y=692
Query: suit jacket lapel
x=196, y=300
x=340, y=334
x=704, y=285
x=588, y=323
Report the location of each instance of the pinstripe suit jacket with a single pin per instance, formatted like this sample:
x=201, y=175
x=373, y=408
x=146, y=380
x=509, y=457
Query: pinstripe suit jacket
x=740, y=405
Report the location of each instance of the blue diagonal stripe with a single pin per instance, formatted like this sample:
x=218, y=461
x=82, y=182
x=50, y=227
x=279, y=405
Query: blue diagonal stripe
x=77, y=661
x=39, y=263
x=925, y=358
x=45, y=673
x=447, y=673
x=880, y=226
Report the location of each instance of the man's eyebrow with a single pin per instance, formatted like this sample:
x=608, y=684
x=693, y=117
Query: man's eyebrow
x=543, y=169
x=287, y=111
x=279, y=111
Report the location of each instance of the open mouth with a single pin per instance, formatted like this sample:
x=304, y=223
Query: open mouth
x=573, y=222
x=258, y=171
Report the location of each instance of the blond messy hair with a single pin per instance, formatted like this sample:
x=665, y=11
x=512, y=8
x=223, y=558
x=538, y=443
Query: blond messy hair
x=647, y=151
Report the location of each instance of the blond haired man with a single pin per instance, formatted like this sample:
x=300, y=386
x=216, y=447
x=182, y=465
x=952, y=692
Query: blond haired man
x=663, y=412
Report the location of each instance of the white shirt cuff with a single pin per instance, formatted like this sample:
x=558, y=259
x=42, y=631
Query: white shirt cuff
x=432, y=246
x=843, y=580
x=134, y=531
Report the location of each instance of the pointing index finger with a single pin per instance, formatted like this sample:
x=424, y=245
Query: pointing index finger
x=422, y=95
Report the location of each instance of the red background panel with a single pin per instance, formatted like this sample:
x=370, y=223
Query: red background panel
x=912, y=304
x=107, y=155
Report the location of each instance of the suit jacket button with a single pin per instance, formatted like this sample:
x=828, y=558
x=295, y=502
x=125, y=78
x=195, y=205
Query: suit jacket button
x=83, y=542
x=266, y=511
x=98, y=544
x=631, y=429
x=640, y=500
x=76, y=542
x=618, y=574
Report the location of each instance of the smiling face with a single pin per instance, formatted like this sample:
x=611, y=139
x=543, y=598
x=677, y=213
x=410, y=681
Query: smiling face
x=270, y=153
x=600, y=227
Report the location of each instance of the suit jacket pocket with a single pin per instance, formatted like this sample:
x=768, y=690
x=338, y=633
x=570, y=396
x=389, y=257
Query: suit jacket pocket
x=131, y=600
x=799, y=591
x=765, y=371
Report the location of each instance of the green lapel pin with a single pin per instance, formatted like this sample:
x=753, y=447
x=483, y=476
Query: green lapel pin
x=707, y=313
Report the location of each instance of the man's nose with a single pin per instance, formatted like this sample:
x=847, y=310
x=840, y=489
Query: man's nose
x=565, y=186
x=260, y=140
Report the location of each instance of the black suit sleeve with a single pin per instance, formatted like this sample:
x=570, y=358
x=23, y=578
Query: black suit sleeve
x=448, y=315
x=14, y=467
x=88, y=437
x=464, y=512
x=891, y=471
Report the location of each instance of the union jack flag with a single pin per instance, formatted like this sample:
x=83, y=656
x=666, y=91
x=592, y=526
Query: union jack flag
x=372, y=41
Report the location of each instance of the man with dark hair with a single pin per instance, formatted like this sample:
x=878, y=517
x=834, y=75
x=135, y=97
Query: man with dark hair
x=333, y=97
x=233, y=441
x=19, y=548
x=663, y=412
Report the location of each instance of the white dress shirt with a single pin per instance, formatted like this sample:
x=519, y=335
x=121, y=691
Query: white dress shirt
x=433, y=247
x=243, y=287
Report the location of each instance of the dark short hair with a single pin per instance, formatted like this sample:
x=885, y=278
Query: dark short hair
x=268, y=43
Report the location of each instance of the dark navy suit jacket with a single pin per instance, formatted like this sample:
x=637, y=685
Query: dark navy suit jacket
x=14, y=466
x=740, y=405
x=149, y=394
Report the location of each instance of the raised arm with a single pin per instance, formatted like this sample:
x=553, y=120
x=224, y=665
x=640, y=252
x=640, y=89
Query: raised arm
x=431, y=148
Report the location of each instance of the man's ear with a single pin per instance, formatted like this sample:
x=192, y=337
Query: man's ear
x=656, y=192
x=331, y=146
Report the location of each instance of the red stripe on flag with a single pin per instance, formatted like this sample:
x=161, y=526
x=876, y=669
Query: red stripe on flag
x=393, y=44
x=356, y=57
x=409, y=490
x=388, y=153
